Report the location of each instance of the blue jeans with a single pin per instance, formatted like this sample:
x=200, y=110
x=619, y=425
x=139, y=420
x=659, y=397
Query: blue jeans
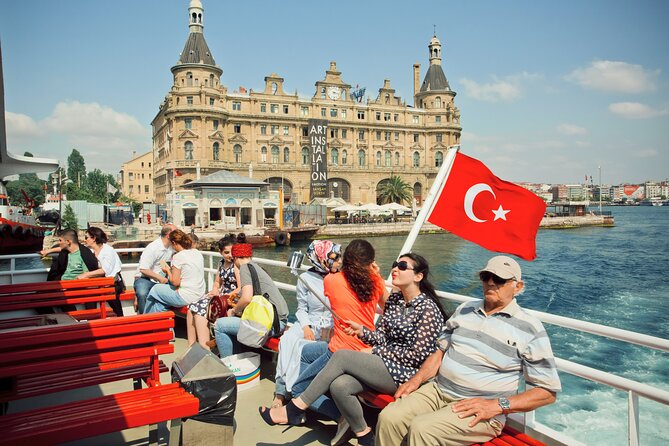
x=161, y=297
x=142, y=286
x=225, y=332
x=314, y=357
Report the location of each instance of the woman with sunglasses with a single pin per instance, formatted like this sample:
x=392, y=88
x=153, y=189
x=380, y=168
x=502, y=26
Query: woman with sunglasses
x=314, y=321
x=110, y=263
x=405, y=336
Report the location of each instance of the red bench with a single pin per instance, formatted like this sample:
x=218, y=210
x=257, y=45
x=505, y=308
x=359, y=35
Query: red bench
x=508, y=437
x=83, y=354
x=64, y=292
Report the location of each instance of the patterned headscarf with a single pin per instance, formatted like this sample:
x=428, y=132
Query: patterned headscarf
x=323, y=254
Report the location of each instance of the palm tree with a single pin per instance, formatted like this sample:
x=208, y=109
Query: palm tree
x=394, y=189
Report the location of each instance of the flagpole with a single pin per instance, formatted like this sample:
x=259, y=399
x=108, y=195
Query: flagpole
x=428, y=204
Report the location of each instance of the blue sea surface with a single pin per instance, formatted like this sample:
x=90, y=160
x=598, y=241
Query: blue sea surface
x=615, y=276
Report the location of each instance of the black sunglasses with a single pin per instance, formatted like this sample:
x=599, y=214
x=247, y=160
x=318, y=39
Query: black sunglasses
x=402, y=265
x=485, y=276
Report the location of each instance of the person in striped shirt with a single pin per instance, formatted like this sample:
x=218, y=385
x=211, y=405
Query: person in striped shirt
x=486, y=347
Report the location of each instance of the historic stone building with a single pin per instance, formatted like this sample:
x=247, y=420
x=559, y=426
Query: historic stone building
x=136, y=178
x=203, y=127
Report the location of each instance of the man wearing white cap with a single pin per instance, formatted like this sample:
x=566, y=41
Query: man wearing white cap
x=486, y=347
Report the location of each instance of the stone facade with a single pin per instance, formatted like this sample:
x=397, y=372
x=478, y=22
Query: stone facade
x=203, y=127
x=136, y=178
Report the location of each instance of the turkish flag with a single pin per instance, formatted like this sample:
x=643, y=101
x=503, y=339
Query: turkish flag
x=177, y=173
x=498, y=215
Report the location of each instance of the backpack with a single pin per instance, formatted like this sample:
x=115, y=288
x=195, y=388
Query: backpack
x=259, y=318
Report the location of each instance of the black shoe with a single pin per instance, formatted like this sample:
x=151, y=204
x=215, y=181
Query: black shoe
x=296, y=416
x=367, y=439
x=343, y=434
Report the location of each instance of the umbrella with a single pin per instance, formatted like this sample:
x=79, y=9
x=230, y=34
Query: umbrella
x=346, y=208
x=395, y=207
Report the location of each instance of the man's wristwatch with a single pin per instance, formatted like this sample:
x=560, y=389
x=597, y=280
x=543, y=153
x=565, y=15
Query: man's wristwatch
x=505, y=405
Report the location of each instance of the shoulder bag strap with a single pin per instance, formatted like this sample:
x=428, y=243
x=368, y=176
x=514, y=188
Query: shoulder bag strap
x=254, y=280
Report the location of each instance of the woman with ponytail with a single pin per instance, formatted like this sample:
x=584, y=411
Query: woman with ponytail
x=404, y=337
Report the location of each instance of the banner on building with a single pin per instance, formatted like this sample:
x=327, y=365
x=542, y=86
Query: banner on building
x=319, y=168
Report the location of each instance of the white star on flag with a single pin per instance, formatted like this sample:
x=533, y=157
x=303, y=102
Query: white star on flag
x=500, y=214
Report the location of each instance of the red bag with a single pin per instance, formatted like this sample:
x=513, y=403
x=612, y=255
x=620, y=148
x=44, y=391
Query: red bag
x=218, y=307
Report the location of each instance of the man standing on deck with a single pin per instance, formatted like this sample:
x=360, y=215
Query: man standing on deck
x=486, y=347
x=149, y=272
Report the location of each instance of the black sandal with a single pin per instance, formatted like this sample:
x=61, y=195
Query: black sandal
x=296, y=416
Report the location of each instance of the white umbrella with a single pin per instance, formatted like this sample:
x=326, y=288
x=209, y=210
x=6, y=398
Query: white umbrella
x=346, y=208
x=372, y=208
x=395, y=207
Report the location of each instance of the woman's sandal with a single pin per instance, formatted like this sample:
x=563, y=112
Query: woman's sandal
x=296, y=416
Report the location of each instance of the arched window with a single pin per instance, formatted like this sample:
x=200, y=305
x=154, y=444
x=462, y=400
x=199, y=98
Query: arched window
x=334, y=157
x=361, y=158
x=211, y=80
x=305, y=155
x=275, y=154
x=416, y=159
x=189, y=79
x=438, y=158
x=437, y=102
x=339, y=188
x=388, y=158
x=418, y=193
x=378, y=158
x=263, y=154
x=286, y=155
x=199, y=18
x=188, y=150
x=216, y=150
x=194, y=18
x=237, y=150
x=397, y=158
x=344, y=156
x=281, y=183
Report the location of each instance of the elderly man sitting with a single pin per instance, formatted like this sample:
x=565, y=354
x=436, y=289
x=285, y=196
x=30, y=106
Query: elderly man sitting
x=149, y=271
x=485, y=349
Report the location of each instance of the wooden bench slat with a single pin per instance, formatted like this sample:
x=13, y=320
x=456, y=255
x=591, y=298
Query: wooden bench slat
x=41, y=295
x=96, y=282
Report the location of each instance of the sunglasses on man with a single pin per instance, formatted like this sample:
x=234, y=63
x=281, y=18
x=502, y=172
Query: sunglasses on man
x=485, y=276
x=402, y=265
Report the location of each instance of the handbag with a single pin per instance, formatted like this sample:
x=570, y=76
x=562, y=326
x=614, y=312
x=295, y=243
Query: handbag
x=218, y=307
x=260, y=317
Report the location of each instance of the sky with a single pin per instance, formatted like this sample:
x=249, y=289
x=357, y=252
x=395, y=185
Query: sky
x=548, y=91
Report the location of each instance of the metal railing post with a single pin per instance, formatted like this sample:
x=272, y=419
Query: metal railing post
x=633, y=418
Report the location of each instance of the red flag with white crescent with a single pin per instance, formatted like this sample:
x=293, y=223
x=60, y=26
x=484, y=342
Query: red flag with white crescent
x=498, y=215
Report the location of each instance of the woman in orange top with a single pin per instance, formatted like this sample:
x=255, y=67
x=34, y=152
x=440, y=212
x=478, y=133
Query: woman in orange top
x=354, y=294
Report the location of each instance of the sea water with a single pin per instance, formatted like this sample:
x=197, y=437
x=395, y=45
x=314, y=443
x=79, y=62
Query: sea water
x=613, y=276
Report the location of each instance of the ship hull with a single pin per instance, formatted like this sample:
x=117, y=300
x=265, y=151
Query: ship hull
x=20, y=238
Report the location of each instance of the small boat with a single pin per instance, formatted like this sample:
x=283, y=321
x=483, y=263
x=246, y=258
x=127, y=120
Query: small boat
x=19, y=231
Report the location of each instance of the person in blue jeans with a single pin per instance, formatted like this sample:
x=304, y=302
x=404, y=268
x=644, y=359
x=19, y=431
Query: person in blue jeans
x=149, y=271
x=315, y=356
x=226, y=328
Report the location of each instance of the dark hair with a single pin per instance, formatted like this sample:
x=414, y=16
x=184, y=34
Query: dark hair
x=69, y=234
x=97, y=234
x=241, y=238
x=227, y=240
x=165, y=230
x=420, y=265
x=181, y=238
x=358, y=257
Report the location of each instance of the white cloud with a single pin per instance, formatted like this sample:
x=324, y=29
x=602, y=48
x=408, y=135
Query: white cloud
x=76, y=118
x=506, y=89
x=635, y=110
x=609, y=75
x=21, y=126
x=571, y=129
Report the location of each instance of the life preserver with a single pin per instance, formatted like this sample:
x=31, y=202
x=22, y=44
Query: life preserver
x=281, y=238
x=4, y=229
x=17, y=231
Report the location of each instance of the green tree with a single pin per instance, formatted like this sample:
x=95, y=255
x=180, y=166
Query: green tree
x=394, y=189
x=30, y=183
x=69, y=220
x=76, y=168
x=96, y=187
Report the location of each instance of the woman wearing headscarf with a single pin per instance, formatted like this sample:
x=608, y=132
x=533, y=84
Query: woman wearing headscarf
x=314, y=320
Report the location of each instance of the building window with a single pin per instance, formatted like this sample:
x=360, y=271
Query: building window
x=211, y=80
x=378, y=158
x=188, y=150
x=263, y=129
x=274, y=108
x=237, y=128
x=285, y=109
x=344, y=156
x=324, y=112
x=146, y=189
x=142, y=164
x=263, y=154
x=275, y=154
x=396, y=117
x=188, y=123
x=361, y=135
x=415, y=119
x=131, y=176
x=334, y=133
x=361, y=114
x=323, y=92
x=189, y=100
x=189, y=79
x=215, y=123
x=437, y=119
x=334, y=157
x=237, y=106
x=333, y=112
x=216, y=150
x=386, y=136
x=397, y=158
x=305, y=155
x=388, y=158
x=343, y=113
x=286, y=155
x=211, y=101
x=437, y=102
x=263, y=107
x=397, y=136
x=305, y=131
x=415, y=137
x=378, y=116
x=285, y=130
x=237, y=151
x=438, y=137
x=378, y=135
x=343, y=133
x=130, y=189
x=438, y=159
x=361, y=158
x=416, y=159
x=274, y=130
x=386, y=116
x=387, y=97
x=304, y=111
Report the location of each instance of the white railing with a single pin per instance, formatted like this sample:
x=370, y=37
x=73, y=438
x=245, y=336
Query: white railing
x=634, y=389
